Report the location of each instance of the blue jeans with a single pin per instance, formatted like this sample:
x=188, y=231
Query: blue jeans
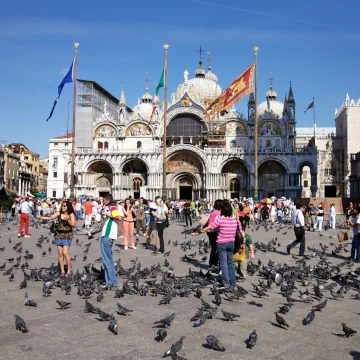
x=78, y=214
x=280, y=219
x=226, y=252
x=147, y=219
x=355, y=248
x=108, y=261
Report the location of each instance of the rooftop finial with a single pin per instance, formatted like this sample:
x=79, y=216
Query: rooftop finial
x=271, y=79
x=201, y=51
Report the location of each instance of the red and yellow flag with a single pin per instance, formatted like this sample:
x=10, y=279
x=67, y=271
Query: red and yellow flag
x=240, y=87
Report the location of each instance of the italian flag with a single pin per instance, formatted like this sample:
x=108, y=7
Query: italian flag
x=161, y=84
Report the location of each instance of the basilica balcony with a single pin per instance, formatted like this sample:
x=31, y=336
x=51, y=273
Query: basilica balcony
x=107, y=151
x=246, y=150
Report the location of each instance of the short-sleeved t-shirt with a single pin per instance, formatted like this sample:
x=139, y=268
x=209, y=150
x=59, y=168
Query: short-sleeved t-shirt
x=110, y=228
x=248, y=242
x=356, y=221
x=88, y=208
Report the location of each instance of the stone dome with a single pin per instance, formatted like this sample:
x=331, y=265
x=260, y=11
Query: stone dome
x=211, y=76
x=144, y=107
x=205, y=89
x=271, y=105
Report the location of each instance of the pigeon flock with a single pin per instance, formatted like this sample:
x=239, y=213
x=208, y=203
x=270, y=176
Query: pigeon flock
x=310, y=284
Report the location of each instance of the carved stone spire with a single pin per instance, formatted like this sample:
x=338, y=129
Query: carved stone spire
x=291, y=99
x=122, y=101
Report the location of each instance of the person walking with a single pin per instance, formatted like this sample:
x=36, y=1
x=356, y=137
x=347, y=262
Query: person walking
x=25, y=212
x=64, y=233
x=227, y=226
x=354, y=222
x=140, y=217
x=161, y=214
x=212, y=235
x=108, y=236
x=129, y=217
x=319, y=218
x=187, y=213
x=265, y=213
x=332, y=214
x=299, y=228
x=88, y=213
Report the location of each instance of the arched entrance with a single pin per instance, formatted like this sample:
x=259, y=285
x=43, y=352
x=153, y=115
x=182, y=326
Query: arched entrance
x=137, y=176
x=272, y=176
x=237, y=178
x=102, y=177
x=185, y=174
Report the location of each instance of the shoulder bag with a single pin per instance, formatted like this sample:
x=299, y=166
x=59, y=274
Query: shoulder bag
x=298, y=230
x=239, y=240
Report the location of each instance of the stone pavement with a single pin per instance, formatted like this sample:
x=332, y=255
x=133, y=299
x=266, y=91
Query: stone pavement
x=72, y=334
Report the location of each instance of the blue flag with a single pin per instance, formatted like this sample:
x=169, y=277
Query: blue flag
x=67, y=79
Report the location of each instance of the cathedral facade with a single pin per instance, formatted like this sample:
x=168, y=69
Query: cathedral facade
x=119, y=151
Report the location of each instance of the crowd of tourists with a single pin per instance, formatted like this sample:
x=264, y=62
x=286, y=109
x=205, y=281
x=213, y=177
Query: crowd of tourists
x=224, y=221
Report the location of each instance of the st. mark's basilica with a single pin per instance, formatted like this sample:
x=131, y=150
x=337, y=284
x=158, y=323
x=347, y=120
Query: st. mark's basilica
x=117, y=150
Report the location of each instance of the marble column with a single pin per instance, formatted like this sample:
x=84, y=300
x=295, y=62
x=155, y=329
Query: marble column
x=20, y=185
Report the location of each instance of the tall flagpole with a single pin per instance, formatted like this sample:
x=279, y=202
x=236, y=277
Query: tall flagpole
x=314, y=120
x=72, y=180
x=256, y=140
x=164, y=194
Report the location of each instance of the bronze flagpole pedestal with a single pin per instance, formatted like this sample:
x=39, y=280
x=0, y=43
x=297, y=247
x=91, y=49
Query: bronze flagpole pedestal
x=72, y=180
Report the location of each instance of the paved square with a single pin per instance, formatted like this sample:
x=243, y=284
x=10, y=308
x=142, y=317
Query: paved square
x=73, y=334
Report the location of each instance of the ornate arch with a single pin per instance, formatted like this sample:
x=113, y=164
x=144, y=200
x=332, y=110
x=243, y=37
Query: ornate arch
x=310, y=164
x=241, y=124
x=224, y=162
x=140, y=122
x=125, y=161
x=92, y=161
x=177, y=176
x=177, y=148
x=272, y=158
x=105, y=123
x=272, y=121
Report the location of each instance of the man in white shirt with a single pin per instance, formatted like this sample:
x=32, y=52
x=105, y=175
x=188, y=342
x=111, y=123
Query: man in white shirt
x=332, y=216
x=26, y=211
x=298, y=221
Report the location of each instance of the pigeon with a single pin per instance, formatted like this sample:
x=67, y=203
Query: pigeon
x=12, y=277
x=20, y=324
x=46, y=290
x=119, y=293
x=251, y=341
x=28, y=301
x=103, y=315
x=100, y=297
x=3, y=267
x=217, y=299
x=161, y=335
x=90, y=308
x=281, y=321
x=320, y=306
x=63, y=304
x=229, y=316
x=123, y=310
x=166, y=299
x=214, y=343
x=201, y=320
x=23, y=284
x=284, y=309
x=348, y=332
x=166, y=322
x=175, y=348
x=113, y=325
x=198, y=293
x=309, y=318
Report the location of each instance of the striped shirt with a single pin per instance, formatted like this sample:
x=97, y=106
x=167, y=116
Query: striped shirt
x=226, y=227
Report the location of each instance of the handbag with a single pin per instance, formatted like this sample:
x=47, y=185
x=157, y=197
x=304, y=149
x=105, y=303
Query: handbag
x=54, y=227
x=239, y=240
x=343, y=236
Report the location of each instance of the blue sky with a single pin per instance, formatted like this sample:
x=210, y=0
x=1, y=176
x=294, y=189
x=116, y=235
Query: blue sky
x=314, y=44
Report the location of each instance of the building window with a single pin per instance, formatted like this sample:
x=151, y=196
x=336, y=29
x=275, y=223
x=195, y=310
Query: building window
x=56, y=145
x=55, y=163
x=232, y=143
x=306, y=183
x=136, y=184
x=234, y=185
x=138, y=145
x=55, y=174
x=65, y=178
x=54, y=194
x=35, y=168
x=106, y=145
x=26, y=158
x=100, y=145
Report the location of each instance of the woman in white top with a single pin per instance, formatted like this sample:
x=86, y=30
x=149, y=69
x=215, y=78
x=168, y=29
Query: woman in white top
x=332, y=216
